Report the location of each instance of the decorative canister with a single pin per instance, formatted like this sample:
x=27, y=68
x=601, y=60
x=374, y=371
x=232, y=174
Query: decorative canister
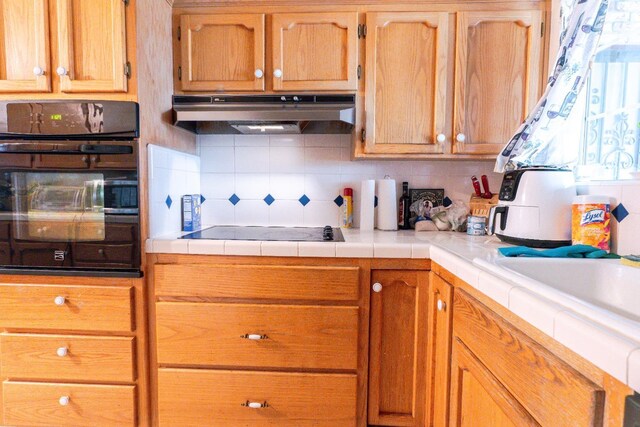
x=591, y=221
x=476, y=225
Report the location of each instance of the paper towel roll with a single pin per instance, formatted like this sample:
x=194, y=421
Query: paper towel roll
x=367, y=194
x=387, y=218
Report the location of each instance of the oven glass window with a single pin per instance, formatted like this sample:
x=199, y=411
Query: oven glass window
x=46, y=206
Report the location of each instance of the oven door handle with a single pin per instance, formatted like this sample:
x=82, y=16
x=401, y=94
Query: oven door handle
x=105, y=149
x=52, y=148
x=28, y=148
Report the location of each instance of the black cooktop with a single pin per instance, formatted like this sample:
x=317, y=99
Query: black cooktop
x=284, y=234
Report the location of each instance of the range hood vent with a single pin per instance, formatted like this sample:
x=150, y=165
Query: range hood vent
x=265, y=114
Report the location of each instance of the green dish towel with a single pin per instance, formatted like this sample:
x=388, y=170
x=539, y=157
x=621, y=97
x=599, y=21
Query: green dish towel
x=575, y=251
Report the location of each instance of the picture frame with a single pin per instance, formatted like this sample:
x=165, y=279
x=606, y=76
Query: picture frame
x=433, y=195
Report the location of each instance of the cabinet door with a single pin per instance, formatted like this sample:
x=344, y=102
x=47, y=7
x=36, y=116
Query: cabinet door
x=24, y=46
x=497, y=77
x=92, y=54
x=478, y=399
x=222, y=52
x=315, y=51
x=439, y=350
x=397, y=352
x=406, y=72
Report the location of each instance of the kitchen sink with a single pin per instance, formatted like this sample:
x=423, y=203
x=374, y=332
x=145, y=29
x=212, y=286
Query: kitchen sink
x=603, y=283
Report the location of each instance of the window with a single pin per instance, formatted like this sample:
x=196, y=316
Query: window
x=607, y=115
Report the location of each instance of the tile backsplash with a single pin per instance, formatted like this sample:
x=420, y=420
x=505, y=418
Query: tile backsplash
x=171, y=175
x=295, y=180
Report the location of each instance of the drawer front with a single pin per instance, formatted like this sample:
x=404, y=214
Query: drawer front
x=219, y=398
x=296, y=336
x=258, y=281
x=67, y=358
x=39, y=404
x=83, y=308
x=104, y=253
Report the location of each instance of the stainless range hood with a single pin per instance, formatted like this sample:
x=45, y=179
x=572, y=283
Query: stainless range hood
x=264, y=114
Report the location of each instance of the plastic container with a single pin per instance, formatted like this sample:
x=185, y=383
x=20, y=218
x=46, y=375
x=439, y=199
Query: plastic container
x=347, y=208
x=591, y=221
x=476, y=225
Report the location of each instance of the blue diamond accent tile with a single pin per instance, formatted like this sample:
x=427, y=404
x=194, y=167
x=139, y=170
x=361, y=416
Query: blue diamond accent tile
x=168, y=202
x=304, y=200
x=620, y=212
x=269, y=199
x=446, y=202
x=375, y=201
x=234, y=199
x=338, y=201
x=202, y=199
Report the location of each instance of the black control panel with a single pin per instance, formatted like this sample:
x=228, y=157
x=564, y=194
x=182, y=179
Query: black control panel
x=509, y=185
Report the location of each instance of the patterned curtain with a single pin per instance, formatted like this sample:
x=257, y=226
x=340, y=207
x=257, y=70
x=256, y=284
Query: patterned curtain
x=534, y=143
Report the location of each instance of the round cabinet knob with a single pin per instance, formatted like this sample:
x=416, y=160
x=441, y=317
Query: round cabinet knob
x=377, y=287
x=277, y=73
x=38, y=71
x=101, y=251
x=441, y=305
x=460, y=137
x=441, y=138
x=62, y=351
x=258, y=73
x=64, y=400
x=61, y=71
x=59, y=300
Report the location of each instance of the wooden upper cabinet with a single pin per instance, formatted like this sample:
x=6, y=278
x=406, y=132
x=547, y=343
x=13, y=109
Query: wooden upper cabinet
x=222, y=52
x=315, y=51
x=397, y=348
x=406, y=81
x=24, y=47
x=92, y=53
x=497, y=77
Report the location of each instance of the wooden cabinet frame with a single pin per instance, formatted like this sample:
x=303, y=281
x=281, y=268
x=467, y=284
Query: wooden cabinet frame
x=191, y=24
x=70, y=82
x=344, y=20
x=438, y=74
x=531, y=20
x=40, y=35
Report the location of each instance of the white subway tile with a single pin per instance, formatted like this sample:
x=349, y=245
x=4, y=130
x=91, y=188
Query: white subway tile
x=322, y=160
x=215, y=140
x=286, y=186
x=218, y=212
x=322, y=187
x=287, y=159
x=252, y=212
x=242, y=247
x=252, y=186
x=252, y=159
x=316, y=249
x=385, y=250
x=354, y=250
x=286, y=140
x=495, y=288
x=628, y=235
x=217, y=185
x=287, y=213
x=251, y=140
x=206, y=247
x=535, y=309
x=321, y=213
x=631, y=197
x=217, y=159
x=279, y=248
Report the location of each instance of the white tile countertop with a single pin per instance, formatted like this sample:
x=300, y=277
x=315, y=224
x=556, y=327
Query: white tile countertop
x=608, y=340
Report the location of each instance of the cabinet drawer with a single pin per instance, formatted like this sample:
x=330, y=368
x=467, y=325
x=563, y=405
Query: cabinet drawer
x=64, y=357
x=39, y=404
x=219, y=398
x=296, y=336
x=104, y=253
x=92, y=308
x=258, y=281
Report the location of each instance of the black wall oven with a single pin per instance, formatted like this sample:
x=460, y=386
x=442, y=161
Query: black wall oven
x=69, y=200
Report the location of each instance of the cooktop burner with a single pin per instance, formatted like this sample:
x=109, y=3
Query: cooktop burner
x=285, y=234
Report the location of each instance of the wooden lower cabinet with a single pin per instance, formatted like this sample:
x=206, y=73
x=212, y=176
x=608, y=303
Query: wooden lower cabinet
x=46, y=404
x=189, y=397
x=502, y=377
x=398, y=347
